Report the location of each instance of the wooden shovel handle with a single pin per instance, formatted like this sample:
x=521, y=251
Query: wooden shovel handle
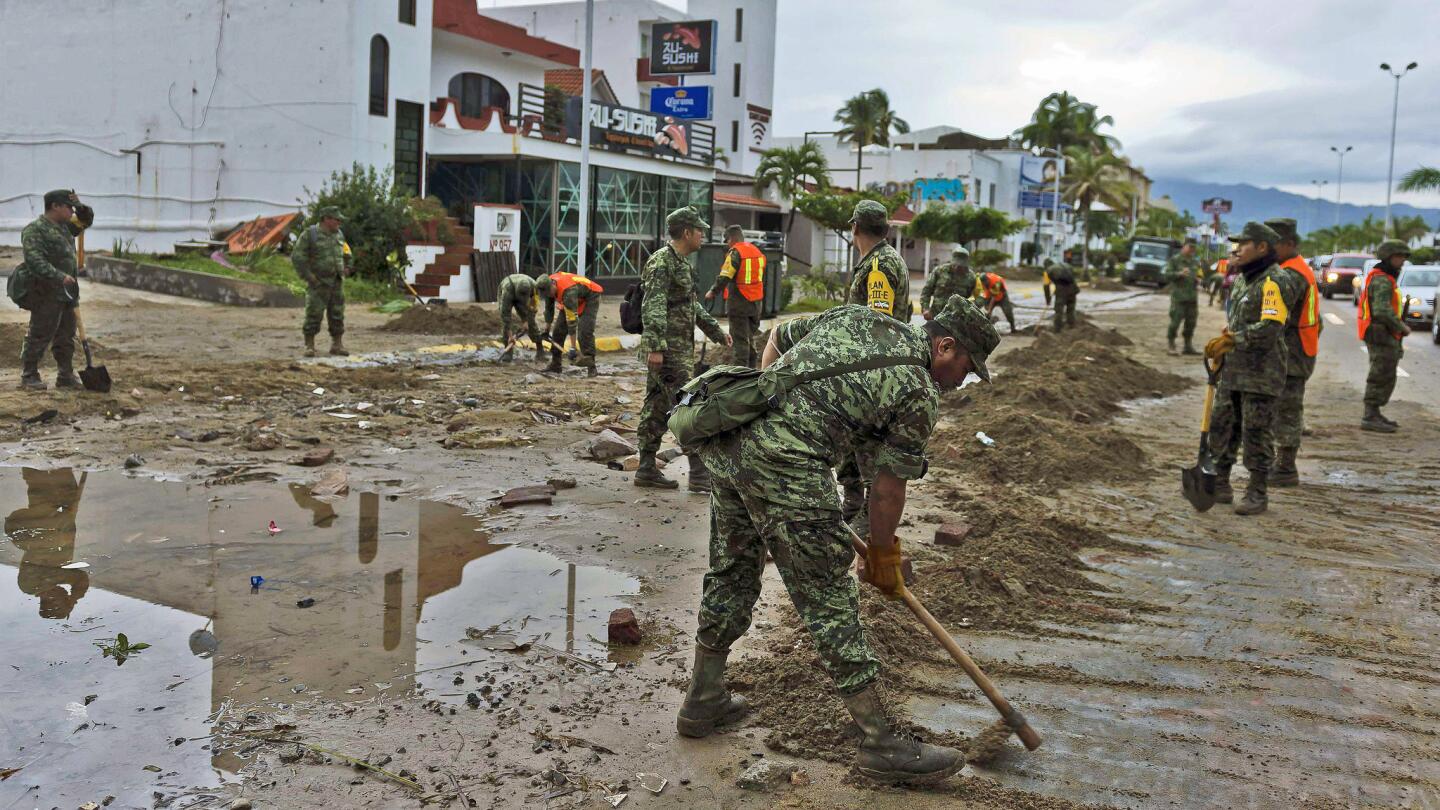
x=1209, y=405
x=1012, y=718
x=79, y=324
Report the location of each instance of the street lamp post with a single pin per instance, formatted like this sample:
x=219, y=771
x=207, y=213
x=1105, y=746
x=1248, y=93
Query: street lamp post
x=1339, y=179
x=1319, y=188
x=1394, y=118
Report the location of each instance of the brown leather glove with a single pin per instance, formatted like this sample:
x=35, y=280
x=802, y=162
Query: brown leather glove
x=882, y=568
x=1220, y=346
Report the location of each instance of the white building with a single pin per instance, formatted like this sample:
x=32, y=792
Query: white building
x=744, y=79
x=235, y=109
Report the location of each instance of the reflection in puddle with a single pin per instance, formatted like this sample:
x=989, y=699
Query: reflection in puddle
x=395, y=584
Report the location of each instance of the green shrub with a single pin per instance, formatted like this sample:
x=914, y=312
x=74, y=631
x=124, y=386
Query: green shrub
x=428, y=211
x=377, y=216
x=787, y=292
x=989, y=257
x=1424, y=255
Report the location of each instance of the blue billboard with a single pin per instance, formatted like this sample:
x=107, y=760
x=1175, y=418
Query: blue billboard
x=690, y=103
x=1044, y=200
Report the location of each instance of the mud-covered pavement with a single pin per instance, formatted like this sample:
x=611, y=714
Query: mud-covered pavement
x=1169, y=659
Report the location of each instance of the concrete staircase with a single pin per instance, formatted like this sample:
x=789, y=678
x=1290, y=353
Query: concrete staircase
x=442, y=271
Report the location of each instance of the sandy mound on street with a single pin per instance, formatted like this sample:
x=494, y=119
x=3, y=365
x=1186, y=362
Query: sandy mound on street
x=430, y=319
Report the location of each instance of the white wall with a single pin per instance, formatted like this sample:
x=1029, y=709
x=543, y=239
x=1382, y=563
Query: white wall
x=755, y=53
x=453, y=53
x=247, y=116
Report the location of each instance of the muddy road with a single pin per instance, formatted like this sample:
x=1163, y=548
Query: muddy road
x=460, y=650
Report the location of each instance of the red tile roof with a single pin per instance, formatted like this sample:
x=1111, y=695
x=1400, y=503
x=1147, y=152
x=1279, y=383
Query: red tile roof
x=568, y=80
x=902, y=215
x=460, y=17
x=744, y=201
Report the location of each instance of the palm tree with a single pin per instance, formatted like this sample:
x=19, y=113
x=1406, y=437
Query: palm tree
x=865, y=119
x=1089, y=178
x=1061, y=121
x=789, y=170
x=1424, y=178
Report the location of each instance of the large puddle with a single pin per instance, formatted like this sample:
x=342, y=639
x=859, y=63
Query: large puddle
x=395, y=583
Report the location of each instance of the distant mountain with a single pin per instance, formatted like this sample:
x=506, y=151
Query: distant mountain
x=1250, y=202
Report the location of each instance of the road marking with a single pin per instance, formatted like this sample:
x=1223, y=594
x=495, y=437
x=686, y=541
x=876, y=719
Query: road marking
x=1402, y=372
x=1334, y=319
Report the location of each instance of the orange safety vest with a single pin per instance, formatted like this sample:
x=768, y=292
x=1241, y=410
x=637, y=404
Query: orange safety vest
x=564, y=281
x=750, y=275
x=1364, y=320
x=994, y=286
x=1309, y=325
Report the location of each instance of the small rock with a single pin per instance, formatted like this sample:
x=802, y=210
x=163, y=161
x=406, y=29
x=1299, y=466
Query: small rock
x=472, y=700
x=561, y=483
x=628, y=464
x=765, y=775
x=134, y=460
x=607, y=445
x=317, y=457
x=669, y=454
x=430, y=377
x=470, y=402
x=541, y=493
x=240, y=804
x=624, y=628
x=261, y=442
x=335, y=482
x=1015, y=588
x=532, y=378
x=291, y=753
x=952, y=534
x=799, y=778
x=1081, y=417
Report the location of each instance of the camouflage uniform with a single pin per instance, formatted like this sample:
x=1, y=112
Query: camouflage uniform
x=580, y=307
x=38, y=285
x=1183, y=273
x=1382, y=340
x=951, y=278
x=322, y=260
x=670, y=312
x=743, y=314
x=517, y=296
x=880, y=281
x=1299, y=365
x=1254, y=372
x=773, y=489
x=1066, y=291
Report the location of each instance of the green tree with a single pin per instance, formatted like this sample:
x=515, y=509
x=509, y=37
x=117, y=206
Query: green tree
x=1092, y=177
x=790, y=170
x=1062, y=121
x=831, y=209
x=961, y=224
x=377, y=216
x=1423, y=178
x=1165, y=223
x=866, y=118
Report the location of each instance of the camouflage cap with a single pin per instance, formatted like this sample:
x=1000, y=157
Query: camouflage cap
x=1390, y=247
x=971, y=329
x=330, y=212
x=1285, y=227
x=1256, y=232
x=960, y=251
x=871, y=213
x=61, y=196
x=687, y=216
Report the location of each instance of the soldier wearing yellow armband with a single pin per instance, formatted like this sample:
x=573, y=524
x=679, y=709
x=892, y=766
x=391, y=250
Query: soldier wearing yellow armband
x=322, y=260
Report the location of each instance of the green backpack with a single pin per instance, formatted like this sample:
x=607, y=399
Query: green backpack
x=727, y=397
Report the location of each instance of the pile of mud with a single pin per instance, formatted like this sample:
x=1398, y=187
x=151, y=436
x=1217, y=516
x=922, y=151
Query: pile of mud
x=12, y=339
x=1107, y=285
x=429, y=319
x=1042, y=411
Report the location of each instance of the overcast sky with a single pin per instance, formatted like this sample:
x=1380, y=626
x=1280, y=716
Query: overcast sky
x=1212, y=90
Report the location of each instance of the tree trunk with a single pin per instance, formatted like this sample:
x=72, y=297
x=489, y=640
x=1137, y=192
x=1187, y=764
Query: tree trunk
x=1085, y=246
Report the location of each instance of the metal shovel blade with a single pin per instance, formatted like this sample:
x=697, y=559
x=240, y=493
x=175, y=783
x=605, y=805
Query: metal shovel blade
x=94, y=378
x=1198, y=482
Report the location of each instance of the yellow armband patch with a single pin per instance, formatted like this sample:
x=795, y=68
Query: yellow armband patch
x=1045, y=279
x=345, y=246
x=1272, y=304
x=879, y=295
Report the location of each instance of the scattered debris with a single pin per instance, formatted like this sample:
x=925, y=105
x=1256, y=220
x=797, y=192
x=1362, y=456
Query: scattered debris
x=988, y=744
x=624, y=628
x=318, y=457
x=669, y=454
x=308, y=601
x=260, y=442
x=767, y=774
x=616, y=799
x=653, y=782
x=561, y=483
x=536, y=493
x=41, y=418
x=274, y=528
x=240, y=804
x=952, y=534
x=74, y=565
x=607, y=445
x=335, y=483
x=134, y=460
x=985, y=440
x=256, y=581
x=120, y=648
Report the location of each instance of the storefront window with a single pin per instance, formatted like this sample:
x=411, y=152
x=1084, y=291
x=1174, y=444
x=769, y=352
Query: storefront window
x=680, y=193
x=627, y=213
x=537, y=203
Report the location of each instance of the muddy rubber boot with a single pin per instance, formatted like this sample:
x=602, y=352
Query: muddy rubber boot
x=708, y=703
x=1189, y=348
x=337, y=346
x=30, y=379
x=589, y=363
x=1224, y=493
x=1285, y=473
x=1172, y=347
x=1372, y=420
x=508, y=356
x=1387, y=420
x=540, y=354
x=554, y=367
x=309, y=345
x=1255, y=500
x=699, y=475
x=67, y=379
x=648, y=475
x=885, y=756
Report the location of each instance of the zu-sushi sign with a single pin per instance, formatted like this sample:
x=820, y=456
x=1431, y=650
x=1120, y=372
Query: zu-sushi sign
x=682, y=48
x=629, y=129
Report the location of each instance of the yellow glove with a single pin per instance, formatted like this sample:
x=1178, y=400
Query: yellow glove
x=882, y=568
x=1220, y=346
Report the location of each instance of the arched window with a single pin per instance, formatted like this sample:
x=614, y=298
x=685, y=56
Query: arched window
x=379, y=76
x=476, y=91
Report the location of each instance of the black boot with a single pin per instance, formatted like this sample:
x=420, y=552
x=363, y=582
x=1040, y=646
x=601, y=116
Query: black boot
x=699, y=475
x=889, y=757
x=648, y=474
x=1255, y=500
x=1387, y=420
x=1189, y=348
x=554, y=367
x=1223, y=491
x=1285, y=473
x=30, y=378
x=540, y=354
x=1373, y=420
x=67, y=379
x=708, y=703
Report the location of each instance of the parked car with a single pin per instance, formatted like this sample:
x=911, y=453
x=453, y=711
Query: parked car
x=1340, y=273
x=1417, y=284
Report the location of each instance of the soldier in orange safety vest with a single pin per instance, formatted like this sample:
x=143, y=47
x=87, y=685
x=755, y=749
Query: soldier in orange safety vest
x=579, y=300
x=991, y=287
x=742, y=283
x=1302, y=342
x=1383, y=331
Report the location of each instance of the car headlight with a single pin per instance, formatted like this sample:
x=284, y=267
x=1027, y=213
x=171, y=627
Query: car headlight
x=1332, y=277
x=1129, y=265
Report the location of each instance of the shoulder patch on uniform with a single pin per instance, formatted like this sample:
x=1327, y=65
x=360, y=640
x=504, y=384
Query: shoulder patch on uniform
x=1272, y=303
x=879, y=295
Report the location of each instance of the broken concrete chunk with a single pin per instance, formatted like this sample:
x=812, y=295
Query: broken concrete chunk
x=561, y=483
x=537, y=493
x=260, y=442
x=669, y=454
x=624, y=627
x=767, y=774
x=317, y=457
x=607, y=445
x=952, y=534
x=335, y=482
x=1015, y=588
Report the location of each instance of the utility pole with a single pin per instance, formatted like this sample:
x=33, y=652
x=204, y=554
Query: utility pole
x=1394, y=118
x=1319, y=186
x=1339, y=179
x=582, y=238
